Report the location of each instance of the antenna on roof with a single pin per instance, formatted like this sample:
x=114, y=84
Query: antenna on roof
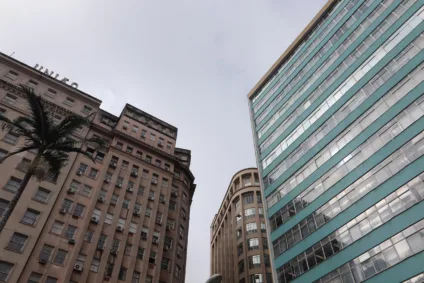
x=11, y=55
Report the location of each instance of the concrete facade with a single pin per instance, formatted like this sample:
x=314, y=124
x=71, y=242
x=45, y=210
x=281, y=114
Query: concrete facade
x=239, y=246
x=124, y=218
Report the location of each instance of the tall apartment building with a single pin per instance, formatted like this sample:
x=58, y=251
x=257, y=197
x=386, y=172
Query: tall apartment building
x=124, y=218
x=338, y=130
x=239, y=245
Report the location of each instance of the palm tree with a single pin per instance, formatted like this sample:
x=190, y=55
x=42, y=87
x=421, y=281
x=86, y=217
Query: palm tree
x=51, y=141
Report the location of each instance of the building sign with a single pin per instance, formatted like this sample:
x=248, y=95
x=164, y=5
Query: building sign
x=56, y=76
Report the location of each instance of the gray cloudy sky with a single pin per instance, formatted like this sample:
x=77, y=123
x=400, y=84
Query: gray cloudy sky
x=188, y=62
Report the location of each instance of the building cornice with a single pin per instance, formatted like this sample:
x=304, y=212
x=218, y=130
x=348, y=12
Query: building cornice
x=149, y=121
x=14, y=89
x=36, y=74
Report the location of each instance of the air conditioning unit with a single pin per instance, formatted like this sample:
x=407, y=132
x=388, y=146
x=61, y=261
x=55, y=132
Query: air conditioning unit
x=154, y=181
x=130, y=190
x=114, y=251
x=160, y=144
x=155, y=241
x=136, y=212
x=100, y=248
x=112, y=164
x=80, y=172
x=168, y=228
x=42, y=260
x=167, y=169
x=159, y=222
x=62, y=210
x=107, y=180
x=151, y=198
x=118, y=185
x=72, y=242
x=119, y=228
x=166, y=248
x=78, y=267
x=174, y=194
x=124, y=127
x=72, y=191
x=134, y=173
x=101, y=199
x=95, y=220
x=162, y=201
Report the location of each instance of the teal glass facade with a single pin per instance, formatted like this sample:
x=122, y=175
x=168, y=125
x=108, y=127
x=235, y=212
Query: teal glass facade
x=339, y=139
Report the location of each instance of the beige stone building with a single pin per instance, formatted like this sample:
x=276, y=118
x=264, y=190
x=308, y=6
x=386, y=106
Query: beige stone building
x=124, y=218
x=239, y=245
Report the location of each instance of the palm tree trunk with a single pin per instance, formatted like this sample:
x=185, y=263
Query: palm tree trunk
x=18, y=194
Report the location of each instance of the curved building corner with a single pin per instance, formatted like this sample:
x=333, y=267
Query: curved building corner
x=239, y=246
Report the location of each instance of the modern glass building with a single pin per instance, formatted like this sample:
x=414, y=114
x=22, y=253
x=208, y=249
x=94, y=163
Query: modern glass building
x=339, y=136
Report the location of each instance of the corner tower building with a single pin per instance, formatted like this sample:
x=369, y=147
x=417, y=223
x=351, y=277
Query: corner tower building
x=124, y=218
x=338, y=131
x=239, y=245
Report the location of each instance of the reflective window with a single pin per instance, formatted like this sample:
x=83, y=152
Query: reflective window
x=379, y=258
x=287, y=69
x=314, y=76
x=253, y=244
x=250, y=212
x=254, y=261
x=351, y=132
x=251, y=228
x=345, y=87
x=356, y=229
x=390, y=166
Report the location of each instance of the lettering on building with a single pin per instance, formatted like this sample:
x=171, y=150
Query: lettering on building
x=55, y=76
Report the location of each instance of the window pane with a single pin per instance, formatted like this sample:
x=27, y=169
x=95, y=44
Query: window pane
x=35, y=277
x=60, y=257
x=403, y=249
x=416, y=242
x=17, y=242
x=51, y=280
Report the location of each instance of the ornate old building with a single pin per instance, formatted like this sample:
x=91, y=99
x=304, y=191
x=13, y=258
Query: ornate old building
x=124, y=218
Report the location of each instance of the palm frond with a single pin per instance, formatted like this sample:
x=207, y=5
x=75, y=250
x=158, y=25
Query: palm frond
x=41, y=117
x=19, y=127
x=5, y=123
x=25, y=122
x=70, y=124
x=24, y=126
x=65, y=142
x=22, y=149
x=54, y=161
x=70, y=149
x=96, y=142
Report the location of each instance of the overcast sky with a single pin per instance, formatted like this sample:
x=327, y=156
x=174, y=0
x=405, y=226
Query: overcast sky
x=188, y=62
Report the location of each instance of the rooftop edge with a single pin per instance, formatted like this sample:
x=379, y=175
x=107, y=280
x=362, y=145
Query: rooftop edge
x=292, y=47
